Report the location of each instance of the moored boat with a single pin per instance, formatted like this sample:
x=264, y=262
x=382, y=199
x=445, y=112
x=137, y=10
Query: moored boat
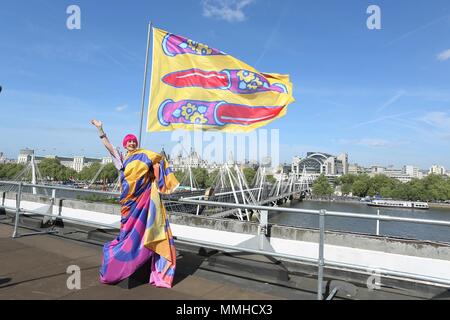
x=399, y=204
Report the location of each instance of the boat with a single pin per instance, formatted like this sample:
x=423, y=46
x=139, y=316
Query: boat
x=398, y=204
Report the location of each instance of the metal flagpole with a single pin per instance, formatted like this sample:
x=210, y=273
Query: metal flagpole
x=145, y=82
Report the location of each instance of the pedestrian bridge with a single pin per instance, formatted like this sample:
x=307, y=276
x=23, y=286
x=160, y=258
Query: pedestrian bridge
x=231, y=186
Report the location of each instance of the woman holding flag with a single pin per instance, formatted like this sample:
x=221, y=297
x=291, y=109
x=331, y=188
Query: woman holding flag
x=145, y=231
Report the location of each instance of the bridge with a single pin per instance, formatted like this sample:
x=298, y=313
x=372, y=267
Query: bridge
x=231, y=186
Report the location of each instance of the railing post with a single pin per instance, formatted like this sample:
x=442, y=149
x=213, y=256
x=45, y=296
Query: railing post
x=262, y=228
x=378, y=223
x=321, y=261
x=16, y=222
x=3, y=198
x=50, y=209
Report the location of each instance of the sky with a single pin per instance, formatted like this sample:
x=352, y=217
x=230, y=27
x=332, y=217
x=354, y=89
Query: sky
x=380, y=95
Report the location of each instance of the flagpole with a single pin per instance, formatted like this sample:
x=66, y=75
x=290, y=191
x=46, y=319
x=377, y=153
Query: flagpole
x=145, y=81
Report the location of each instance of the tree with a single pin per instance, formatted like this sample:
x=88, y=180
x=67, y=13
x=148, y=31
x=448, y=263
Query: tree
x=322, y=186
x=211, y=178
x=10, y=170
x=346, y=181
x=109, y=173
x=271, y=179
x=179, y=175
x=379, y=182
x=201, y=176
x=89, y=172
x=361, y=186
x=249, y=174
x=52, y=169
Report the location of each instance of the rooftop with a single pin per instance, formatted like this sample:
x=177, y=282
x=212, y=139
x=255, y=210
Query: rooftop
x=35, y=267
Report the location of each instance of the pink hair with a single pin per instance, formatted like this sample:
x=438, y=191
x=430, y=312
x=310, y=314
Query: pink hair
x=129, y=137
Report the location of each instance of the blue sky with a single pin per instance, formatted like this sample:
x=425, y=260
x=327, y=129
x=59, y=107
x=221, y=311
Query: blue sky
x=382, y=96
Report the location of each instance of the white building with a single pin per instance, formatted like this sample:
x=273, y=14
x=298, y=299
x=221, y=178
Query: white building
x=106, y=160
x=412, y=171
x=390, y=172
x=193, y=160
x=376, y=169
x=354, y=168
x=25, y=156
x=77, y=163
x=3, y=158
x=321, y=163
x=437, y=169
x=343, y=158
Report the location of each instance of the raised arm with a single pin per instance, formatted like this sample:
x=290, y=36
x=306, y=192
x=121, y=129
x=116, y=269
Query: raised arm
x=156, y=171
x=99, y=125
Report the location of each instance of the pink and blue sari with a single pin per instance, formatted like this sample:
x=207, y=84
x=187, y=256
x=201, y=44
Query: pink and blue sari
x=145, y=231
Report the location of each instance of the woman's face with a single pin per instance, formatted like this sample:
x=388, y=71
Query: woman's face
x=131, y=145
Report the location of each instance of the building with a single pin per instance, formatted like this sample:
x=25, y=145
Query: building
x=412, y=171
x=65, y=161
x=294, y=165
x=354, y=168
x=406, y=174
x=343, y=158
x=377, y=169
x=25, y=156
x=106, y=160
x=3, y=158
x=193, y=160
x=321, y=163
x=77, y=163
x=436, y=169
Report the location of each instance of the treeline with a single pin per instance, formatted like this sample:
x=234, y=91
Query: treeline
x=53, y=170
x=430, y=188
x=206, y=180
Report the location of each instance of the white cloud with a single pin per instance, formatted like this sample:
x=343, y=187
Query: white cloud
x=381, y=119
x=392, y=100
x=228, y=10
x=121, y=108
x=444, y=55
x=437, y=119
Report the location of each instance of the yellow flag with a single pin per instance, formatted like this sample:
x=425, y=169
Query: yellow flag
x=195, y=87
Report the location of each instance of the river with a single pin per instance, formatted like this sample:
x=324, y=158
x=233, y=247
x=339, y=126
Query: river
x=357, y=225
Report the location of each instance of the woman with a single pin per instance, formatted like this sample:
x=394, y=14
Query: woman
x=144, y=232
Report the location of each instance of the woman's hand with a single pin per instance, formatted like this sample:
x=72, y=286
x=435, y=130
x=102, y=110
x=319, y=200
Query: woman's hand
x=97, y=123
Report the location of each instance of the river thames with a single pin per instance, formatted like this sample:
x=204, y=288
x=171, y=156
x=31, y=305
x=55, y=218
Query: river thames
x=357, y=225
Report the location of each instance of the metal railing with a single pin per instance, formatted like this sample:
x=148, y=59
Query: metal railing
x=322, y=217
x=320, y=262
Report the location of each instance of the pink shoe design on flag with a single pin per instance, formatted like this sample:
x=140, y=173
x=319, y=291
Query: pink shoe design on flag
x=216, y=113
x=173, y=45
x=236, y=81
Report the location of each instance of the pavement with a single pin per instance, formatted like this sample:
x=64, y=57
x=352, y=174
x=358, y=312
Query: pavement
x=35, y=267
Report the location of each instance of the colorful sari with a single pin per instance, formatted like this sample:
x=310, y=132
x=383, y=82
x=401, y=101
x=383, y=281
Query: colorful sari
x=145, y=231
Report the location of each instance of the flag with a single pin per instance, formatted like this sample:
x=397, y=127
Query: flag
x=194, y=86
